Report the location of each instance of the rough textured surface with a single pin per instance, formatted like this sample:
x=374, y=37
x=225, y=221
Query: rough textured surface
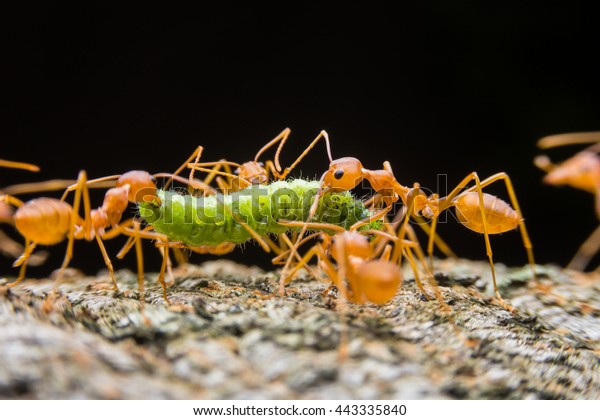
x=221, y=338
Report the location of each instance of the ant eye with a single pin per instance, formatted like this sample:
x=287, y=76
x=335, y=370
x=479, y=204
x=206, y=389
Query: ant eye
x=320, y=239
x=338, y=174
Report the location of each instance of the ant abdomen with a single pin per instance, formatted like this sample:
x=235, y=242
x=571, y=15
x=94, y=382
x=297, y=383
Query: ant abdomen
x=379, y=281
x=45, y=221
x=499, y=215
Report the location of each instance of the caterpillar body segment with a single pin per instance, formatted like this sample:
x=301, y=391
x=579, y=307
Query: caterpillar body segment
x=215, y=219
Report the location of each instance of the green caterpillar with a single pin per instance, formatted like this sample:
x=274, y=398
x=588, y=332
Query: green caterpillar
x=198, y=221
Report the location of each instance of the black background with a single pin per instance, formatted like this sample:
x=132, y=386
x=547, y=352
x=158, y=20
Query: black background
x=435, y=87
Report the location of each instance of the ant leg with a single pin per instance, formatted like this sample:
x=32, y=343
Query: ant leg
x=291, y=247
x=313, y=210
x=289, y=276
x=375, y=216
x=437, y=240
x=164, y=251
x=191, y=176
x=568, y=138
x=415, y=270
x=194, y=156
x=436, y=289
x=272, y=171
x=127, y=247
x=9, y=199
x=255, y=235
x=80, y=191
x=19, y=165
x=161, y=274
x=312, y=225
x=36, y=187
x=180, y=256
x=311, y=213
x=225, y=187
x=403, y=228
x=13, y=249
x=217, y=167
x=478, y=187
x=434, y=239
x=195, y=183
x=213, y=173
x=413, y=243
x=107, y=261
x=387, y=253
x=138, y=234
x=281, y=138
x=513, y=199
x=430, y=244
x=104, y=182
x=390, y=229
x=117, y=230
x=214, y=169
x=272, y=245
x=379, y=244
x=322, y=135
x=422, y=223
x=337, y=278
x=22, y=261
x=403, y=246
x=586, y=251
x=139, y=256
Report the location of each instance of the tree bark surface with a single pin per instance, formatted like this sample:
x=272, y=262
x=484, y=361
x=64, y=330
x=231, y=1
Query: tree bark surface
x=223, y=337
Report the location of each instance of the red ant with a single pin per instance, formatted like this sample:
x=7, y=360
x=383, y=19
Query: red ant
x=48, y=221
x=494, y=216
x=7, y=245
x=581, y=171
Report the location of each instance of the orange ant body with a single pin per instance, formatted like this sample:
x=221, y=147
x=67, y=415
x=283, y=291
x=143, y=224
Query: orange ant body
x=375, y=281
x=245, y=175
x=253, y=172
x=49, y=221
x=19, y=165
x=581, y=171
x=7, y=245
x=494, y=216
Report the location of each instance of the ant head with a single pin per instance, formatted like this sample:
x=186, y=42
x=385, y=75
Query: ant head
x=378, y=281
x=142, y=186
x=581, y=171
x=253, y=172
x=343, y=174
